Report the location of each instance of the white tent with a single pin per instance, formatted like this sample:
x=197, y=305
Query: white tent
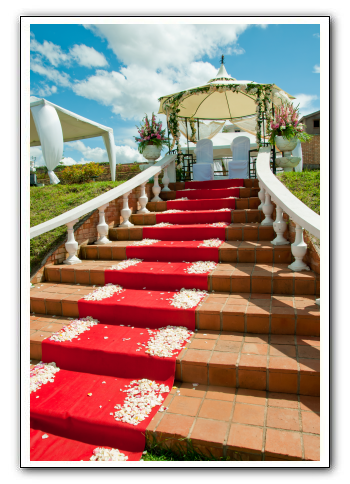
x=51, y=125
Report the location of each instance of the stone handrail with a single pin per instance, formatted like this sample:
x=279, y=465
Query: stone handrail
x=303, y=216
x=71, y=217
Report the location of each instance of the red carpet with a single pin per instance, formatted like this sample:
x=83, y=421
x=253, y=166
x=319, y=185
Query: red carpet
x=208, y=194
x=65, y=409
x=157, y=276
x=173, y=252
x=142, y=308
x=184, y=232
x=198, y=217
x=215, y=184
x=204, y=204
x=113, y=357
x=55, y=448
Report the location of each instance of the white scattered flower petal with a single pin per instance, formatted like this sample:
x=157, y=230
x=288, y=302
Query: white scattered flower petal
x=104, y=292
x=125, y=264
x=44, y=436
x=102, y=454
x=188, y=298
x=145, y=242
x=211, y=243
x=200, y=267
x=41, y=374
x=219, y=224
x=167, y=340
x=73, y=330
x=163, y=224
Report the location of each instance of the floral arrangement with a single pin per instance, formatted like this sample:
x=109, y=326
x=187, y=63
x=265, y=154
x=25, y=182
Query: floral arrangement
x=286, y=123
x=150, y=132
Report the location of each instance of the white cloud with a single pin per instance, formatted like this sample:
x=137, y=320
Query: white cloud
x=125, y=154
x=87, y=56
x=68, y=161
x=44, y=90
x=316, y=35
x=316, y=69
x=306, y=103
x=159, y=46
x=58, y=77
x=51, y=51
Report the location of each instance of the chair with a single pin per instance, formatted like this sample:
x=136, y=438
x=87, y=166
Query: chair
x=238, y=167
x=203, y=169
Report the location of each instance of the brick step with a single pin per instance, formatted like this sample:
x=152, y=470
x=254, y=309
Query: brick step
x=226, y=277
x=246, y=312
x=237, y=216
x=241, y=204
x=278, y=363
x=235, y=232
x=239, y=424
x=247, y=183
x=238, y=251
x=243, y=193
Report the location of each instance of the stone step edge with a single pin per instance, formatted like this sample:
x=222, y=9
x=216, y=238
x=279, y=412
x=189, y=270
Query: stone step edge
x=243, y=193
x=191, y=431
x=291, y=283
x=241, y=204
x=248, y=183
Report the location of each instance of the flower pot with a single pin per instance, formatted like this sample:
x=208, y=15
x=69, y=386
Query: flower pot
x=285, y=145
x=151, y=152
x=287, y=162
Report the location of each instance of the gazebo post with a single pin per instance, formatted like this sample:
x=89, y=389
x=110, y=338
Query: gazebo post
x=273, y=147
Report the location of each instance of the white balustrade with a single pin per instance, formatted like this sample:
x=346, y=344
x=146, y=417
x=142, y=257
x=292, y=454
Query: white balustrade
x=126, y=212
x=279, y=226
x=267, y=209
x=143, y=199
x=299, y=249
x=71, y=245
x=156, y=190
x=166, y=181
x=317, y=301
x=102, y=227
x=261, y=196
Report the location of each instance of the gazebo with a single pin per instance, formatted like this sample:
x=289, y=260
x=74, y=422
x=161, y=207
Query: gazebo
x=51, y=125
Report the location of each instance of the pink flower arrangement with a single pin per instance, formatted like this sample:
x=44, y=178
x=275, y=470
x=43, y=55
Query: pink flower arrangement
x=150, y=133
x=286, y=123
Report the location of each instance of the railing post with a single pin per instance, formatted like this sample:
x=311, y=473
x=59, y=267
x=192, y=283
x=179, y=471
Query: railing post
x=261, y=196
x=71, y=245
x=267, y=209
x=166, y=181
x=299, y=249
x=156, y=190
x=126, y=212
x=279, y=226
x=102, y=227
x=143, y=199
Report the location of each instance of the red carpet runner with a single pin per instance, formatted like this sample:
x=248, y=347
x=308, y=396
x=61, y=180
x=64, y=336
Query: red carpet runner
x=76, y=410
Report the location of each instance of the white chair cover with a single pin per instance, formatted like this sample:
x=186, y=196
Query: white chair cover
x=203, y=171
x=204, y=151
x=238, y=167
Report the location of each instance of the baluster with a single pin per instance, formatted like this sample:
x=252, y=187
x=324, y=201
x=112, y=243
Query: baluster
x=299, y=249
x=143, y=199
x=261, y=195
x=166, y=181
x=71, y=245
x=126, y=212
x=102, y=227
x=267, y=210
x=156, y=190
x=318, y=301
x=279, y=226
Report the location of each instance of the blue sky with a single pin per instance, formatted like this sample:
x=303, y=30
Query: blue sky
x=114, y=74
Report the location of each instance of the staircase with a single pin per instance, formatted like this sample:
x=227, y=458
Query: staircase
x=246, y=384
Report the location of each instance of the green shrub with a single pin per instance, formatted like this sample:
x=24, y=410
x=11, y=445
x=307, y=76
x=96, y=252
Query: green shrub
x=81, y=173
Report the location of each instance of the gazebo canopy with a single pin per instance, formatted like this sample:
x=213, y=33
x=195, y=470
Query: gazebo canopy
x=51, y=125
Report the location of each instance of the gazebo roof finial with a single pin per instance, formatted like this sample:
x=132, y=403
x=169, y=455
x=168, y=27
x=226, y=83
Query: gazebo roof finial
x=222, y=59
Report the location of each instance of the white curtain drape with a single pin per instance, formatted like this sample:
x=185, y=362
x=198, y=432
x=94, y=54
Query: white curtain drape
x=206, y=131
x=108, y=140
x=49, y=129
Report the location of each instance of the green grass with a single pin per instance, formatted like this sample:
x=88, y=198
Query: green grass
x=305, y=186
x=53, y=200
x=156, y=452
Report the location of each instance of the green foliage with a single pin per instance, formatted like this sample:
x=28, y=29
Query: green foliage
x=304, y=185
x=53, y=200
x=81, y=173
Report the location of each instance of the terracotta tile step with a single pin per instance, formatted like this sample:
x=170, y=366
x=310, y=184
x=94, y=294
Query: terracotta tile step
x=245, y=312
x=243, y=193
x=268, y=278
x=241, y=204
x=239, y=424
x=234, y=232
x=247, y=183
x=237, y=216
x=231, y=251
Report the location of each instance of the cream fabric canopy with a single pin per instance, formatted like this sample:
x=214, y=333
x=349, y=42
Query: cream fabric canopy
x=51, y=125
x=221, y=105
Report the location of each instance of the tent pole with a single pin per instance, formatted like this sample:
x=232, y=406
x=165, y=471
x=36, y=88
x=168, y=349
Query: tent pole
x=198, y=129
x=273, y=147
x=188, y=148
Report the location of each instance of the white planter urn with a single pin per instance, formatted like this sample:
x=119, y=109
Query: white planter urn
x=152, y=153
x=287, y=162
